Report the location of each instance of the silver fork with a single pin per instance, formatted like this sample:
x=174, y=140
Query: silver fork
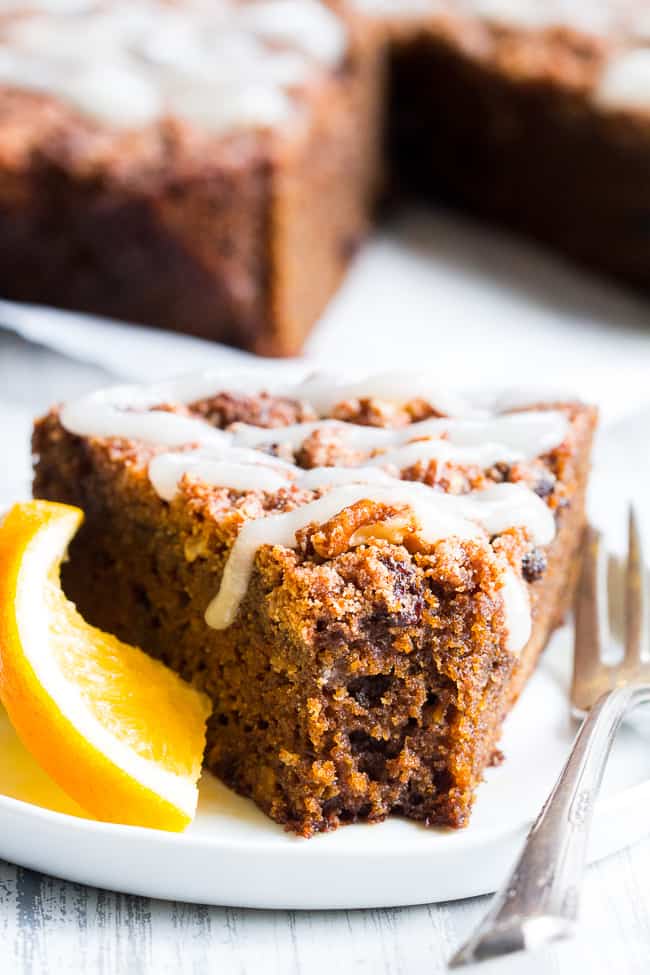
x=539, y=901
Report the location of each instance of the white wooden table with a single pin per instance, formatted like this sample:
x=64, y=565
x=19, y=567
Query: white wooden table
x=49, y=927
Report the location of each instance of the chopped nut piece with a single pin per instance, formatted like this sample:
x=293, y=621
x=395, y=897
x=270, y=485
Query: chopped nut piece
x=361, y=522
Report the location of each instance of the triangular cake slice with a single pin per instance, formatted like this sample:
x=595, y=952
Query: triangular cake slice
x=361, y=575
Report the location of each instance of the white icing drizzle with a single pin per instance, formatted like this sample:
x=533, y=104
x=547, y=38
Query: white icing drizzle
x=264, y=473
x=101, y=414
x=281, y=530
x=322, y=391
x=516, y=602
x=222, y=64
x=443, y=451
x=221, y=465
x=126, y=411
x=293, y=435
x=226, y=65
x=440, y=515
x=511, y=437
x=307, y=26
x=236, y=460
x=325, y=391
x=167, y=470
x=321, y=477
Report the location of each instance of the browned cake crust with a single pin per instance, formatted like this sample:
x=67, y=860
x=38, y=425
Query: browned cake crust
x=354, y=682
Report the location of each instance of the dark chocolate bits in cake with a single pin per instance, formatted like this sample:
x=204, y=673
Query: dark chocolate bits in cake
x=500, y=472
x=533, y=565
x=545, y=486
x=407, y=590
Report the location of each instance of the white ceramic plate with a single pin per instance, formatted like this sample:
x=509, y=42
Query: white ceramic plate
x=233, y=855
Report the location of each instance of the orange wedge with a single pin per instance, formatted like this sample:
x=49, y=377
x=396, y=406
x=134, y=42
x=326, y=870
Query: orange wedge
x=118, y=731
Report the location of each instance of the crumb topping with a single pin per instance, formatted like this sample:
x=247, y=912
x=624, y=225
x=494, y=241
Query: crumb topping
x=365, y=472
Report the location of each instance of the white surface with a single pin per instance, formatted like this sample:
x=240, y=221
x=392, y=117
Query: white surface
x=232, y=854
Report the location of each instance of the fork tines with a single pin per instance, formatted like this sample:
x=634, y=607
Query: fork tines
x=591, y=675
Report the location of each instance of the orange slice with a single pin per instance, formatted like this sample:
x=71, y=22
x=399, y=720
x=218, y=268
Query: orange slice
x=118, y=731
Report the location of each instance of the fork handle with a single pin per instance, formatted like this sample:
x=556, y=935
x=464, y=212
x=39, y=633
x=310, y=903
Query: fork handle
x=539, y=901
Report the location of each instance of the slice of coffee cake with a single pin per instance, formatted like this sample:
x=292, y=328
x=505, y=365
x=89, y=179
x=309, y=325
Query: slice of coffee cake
x=361, y=576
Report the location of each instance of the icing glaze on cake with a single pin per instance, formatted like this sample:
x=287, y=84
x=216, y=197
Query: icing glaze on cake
x=441, y=516
x=221, y=64
x=239, y=459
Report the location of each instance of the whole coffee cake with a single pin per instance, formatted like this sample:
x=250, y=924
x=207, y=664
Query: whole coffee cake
x=361, y=575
